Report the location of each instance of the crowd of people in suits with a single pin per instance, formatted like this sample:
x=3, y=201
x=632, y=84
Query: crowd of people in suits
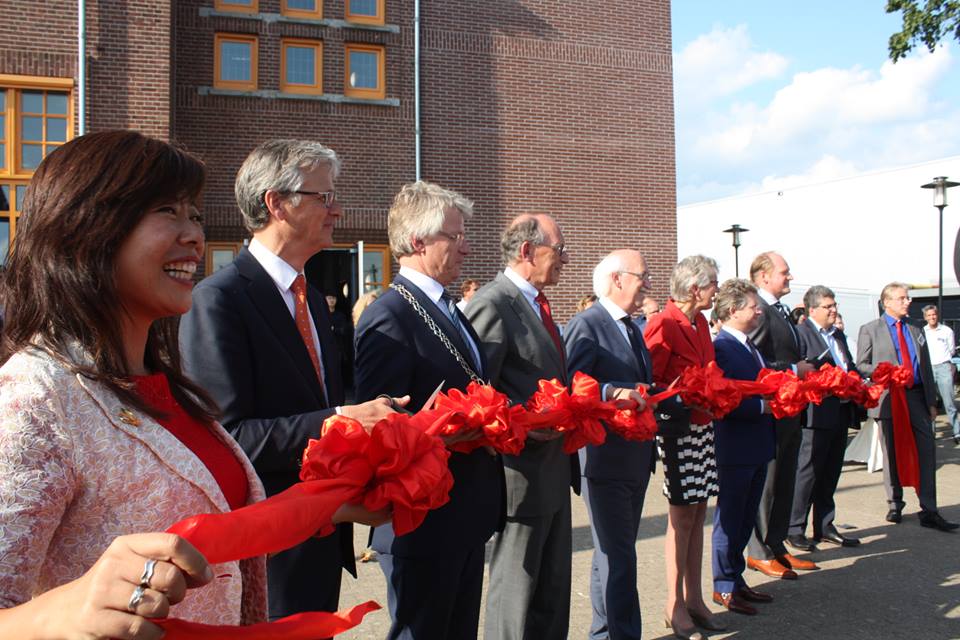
x=132, y=399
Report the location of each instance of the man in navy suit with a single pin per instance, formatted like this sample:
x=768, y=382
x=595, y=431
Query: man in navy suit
x=605, y=343
x=825, y=431
x=258, y=339
x=410, y=341
x=777, y=339
x=745, y=444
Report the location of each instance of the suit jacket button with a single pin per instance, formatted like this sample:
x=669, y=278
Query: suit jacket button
x=128, y=417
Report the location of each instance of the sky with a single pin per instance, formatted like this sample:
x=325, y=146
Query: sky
x=774, y=94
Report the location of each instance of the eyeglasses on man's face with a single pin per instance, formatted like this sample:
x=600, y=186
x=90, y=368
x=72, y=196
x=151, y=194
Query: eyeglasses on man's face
x=326, y=198
x=559, y=248
x=645, y=276
x=456, y=238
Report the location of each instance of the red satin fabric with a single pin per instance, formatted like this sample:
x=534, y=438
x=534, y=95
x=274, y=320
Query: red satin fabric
x=482, y=409
x=576, y=413
x=896, y=378
x=302, y=626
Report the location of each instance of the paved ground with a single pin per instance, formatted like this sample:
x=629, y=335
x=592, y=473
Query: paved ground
x=902, y=582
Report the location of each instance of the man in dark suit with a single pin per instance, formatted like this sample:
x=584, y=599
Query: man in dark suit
x=258, y=339
x=825, y=431
x=892, y=338
x=411, y=341
x=745, y=445
x=777, y=339
x=529, y=592
x=605, y=343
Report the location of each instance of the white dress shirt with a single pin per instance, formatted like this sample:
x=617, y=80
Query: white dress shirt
x=283, y=276
x=940, y=342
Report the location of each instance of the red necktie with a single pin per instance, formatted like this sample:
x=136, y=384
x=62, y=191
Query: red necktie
x=302, y=317
x=905, y=352
x=548, y=322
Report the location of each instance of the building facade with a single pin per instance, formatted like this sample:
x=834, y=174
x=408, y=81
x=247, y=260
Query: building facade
x=562, y=107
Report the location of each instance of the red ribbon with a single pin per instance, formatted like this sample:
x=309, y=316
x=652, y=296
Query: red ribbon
x=575, y=413
x=482, y=409
x=896, y=378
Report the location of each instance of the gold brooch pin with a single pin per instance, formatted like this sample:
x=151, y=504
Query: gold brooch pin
x=128, y=417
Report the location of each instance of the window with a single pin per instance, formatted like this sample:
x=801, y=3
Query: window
x=219, y=255
x=36, y=117
x=302, y=8
x=235, y=62
x=364, y=71
x=243, y=6
x=365, y=11
x=301, y=66
x=376, y=268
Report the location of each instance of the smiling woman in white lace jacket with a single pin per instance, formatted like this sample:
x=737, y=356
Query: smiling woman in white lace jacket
x=104, y=443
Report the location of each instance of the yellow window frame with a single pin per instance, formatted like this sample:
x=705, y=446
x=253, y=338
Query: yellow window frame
x=212, y=247
x=316, y=14
x=15, y=85
x=310, y=89
x=227, y=5
x=378, y=18
x=380, y=91
x=252, y=40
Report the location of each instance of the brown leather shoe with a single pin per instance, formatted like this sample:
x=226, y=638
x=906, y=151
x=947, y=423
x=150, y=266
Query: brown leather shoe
x=731, y=602
x=750, y=595
x=771, y=568
x=797, y=564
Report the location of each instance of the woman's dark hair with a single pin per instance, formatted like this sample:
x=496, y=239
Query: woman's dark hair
x=59, y=290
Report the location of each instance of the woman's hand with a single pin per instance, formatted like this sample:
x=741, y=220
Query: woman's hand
x=106, y=602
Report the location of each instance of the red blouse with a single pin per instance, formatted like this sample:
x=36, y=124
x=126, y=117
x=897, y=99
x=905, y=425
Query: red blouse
x=194, y=434
x=676, y=344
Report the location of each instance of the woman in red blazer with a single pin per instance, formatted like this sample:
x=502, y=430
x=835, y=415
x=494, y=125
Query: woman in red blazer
x=679, y=337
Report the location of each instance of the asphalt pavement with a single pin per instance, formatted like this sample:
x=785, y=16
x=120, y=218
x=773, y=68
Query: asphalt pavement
x=903, y=581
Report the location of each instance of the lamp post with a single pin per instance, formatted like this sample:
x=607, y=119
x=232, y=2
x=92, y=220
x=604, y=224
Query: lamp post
x=940, y=185
x=735, y=230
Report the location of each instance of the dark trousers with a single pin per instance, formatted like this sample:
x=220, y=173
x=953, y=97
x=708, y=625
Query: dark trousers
x=818, y=472
x=434, y=597
x=776, y=502
x=926, y=455
x=615, y=507
x=306, y=577
x=733, y=521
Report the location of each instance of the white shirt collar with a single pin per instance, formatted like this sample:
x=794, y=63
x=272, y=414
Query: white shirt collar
x=736, y=333
x=278, y=270
x=430, y=287
x=528, y=290
x=826, y=332
x=767, y=297
x=612, y=308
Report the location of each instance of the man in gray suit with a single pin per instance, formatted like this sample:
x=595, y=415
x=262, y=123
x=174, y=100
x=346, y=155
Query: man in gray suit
x=606, y=343
x=892, y=338
x=529, y=592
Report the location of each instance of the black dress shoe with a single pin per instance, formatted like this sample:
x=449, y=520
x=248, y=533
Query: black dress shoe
x=801, y=542
x=748, y=594
x=894, y=516
x=836, y=537
x=936, y=521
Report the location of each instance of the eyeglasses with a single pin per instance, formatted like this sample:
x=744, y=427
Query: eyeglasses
x=457, y=238
x=327, y=198
x=829, y=307
x=558, y=248
x=645, y=276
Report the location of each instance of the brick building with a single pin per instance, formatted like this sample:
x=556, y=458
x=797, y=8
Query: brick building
x=563, y=107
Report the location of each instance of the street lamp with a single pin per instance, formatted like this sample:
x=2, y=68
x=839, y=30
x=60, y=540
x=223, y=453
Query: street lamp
x=735, y=231
x=940, y=185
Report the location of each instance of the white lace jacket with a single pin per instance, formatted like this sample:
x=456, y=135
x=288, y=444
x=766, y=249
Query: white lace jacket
x=78, y=469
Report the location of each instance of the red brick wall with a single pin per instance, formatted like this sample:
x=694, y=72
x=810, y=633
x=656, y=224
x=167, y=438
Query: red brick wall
x=128, y=56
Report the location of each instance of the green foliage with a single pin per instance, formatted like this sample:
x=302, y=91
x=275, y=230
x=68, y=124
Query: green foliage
x=929, y=24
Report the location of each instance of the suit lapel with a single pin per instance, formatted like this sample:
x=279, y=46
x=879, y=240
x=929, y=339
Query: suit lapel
x=329, y=351
x=529, y=318
x=614, y=337
x=441, y=319
x=265, y=296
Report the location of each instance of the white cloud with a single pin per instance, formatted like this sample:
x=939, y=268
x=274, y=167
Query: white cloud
x=826, y=168
x=721, y=63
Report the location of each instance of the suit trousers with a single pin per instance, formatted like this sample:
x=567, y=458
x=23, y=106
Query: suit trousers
x=926, y=455
x=818, y=473
x=615, y=508
x=288, y=574
x=776, y=502
x=733, y=521
x=530, y=568
x=943, y=374
x=434, y=598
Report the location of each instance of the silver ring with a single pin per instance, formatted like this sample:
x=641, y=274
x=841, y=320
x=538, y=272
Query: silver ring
x=136, y=599
x=147, y=574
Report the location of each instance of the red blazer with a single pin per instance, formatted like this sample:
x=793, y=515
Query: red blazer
x=675, y=344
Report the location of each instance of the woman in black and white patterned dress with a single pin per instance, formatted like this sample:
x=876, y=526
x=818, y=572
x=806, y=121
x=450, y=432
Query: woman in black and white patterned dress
x=679, y=337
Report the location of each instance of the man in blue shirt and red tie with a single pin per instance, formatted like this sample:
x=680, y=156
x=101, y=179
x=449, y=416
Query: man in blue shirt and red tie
x=892, y=338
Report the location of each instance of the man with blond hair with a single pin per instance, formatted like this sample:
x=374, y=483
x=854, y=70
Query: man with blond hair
x=411, y=342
